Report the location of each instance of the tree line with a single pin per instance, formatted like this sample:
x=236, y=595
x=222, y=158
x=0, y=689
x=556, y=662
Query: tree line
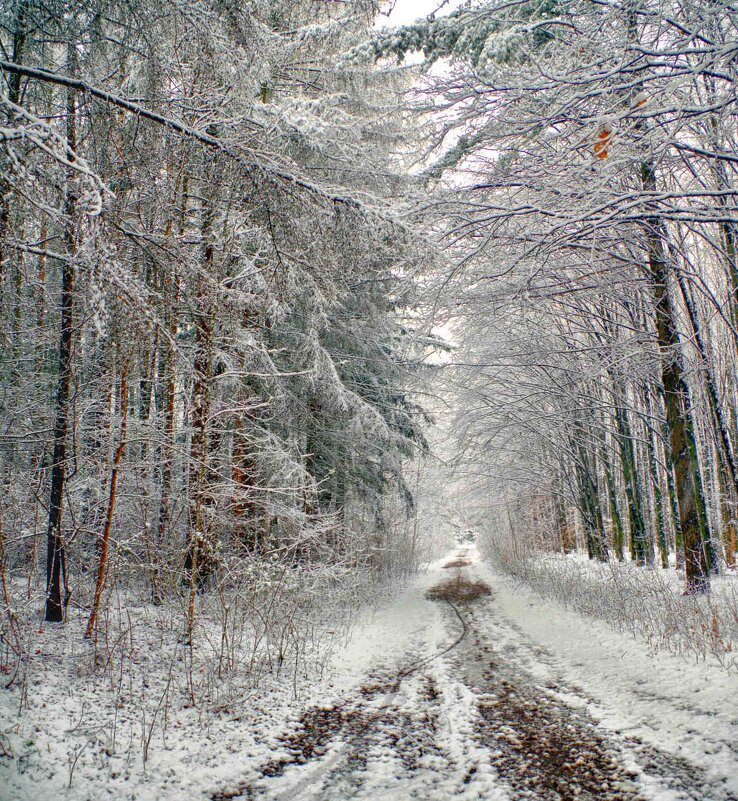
x=583, y=156
x=205, y=335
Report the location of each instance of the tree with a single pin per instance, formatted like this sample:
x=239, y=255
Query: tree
x=571, y=131
x=211, y=173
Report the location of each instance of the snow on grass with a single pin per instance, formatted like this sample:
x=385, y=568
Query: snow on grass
x=144, y=717
x=139, y=715
x=140, y=719
x=647, y=602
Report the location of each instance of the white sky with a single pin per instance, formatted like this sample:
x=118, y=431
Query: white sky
x=407, y=11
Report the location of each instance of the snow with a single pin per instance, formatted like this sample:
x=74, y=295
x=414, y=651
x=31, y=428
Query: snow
x=405, y=12
x=394, y=714
x=688, y=708
x=382, y=634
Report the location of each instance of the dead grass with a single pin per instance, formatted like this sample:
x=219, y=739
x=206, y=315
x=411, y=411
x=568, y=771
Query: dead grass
x=458, y=590
x=456, y=563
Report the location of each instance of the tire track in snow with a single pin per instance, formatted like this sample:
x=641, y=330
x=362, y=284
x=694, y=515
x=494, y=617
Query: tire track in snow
x=500, y=724
x=320, y=727
x=543, y=740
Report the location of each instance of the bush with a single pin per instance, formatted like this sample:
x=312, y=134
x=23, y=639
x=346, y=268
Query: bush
x=645, y=602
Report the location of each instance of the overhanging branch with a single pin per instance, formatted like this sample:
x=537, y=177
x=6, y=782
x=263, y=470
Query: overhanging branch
x=248, y=164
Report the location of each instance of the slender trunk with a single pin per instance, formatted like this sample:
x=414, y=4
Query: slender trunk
x=146, y=384
x=726, y=503
x=658, y=495
x=105, y=539
x=590, y=507
x=13, y=84
x=311, y=466
x=639, y=548
x=55, y=556
x=617, y=523
x=199, y=555
x=170, y=371
x=197, y=559
x=673, y=505
x=246, y=528
x=729, y=542
x=568, y=539
x=20, y=282
x=166, y=476
x=720, y=424
x=41, y=299
x=15, y=640
x=726, y=226
x=727, y=471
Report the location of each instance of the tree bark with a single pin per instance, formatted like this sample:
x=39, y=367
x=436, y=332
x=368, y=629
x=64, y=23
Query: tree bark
x=639, y=545
x=170, y=286
x=199, y=555
x=14, y=80
x=690, y=500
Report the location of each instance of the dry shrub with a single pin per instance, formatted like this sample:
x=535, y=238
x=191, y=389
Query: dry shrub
x=647, y=603
x=457, y=563
x=458, y=590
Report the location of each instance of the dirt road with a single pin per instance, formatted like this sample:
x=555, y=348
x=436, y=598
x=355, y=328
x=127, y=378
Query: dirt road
x=484, y=714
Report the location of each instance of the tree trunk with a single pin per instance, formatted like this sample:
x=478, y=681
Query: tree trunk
x=166, y=475
x=690, y=500
x=246, y=526
x=590, y=506
x=658, y=495
x=105, y=539
x=720, y=428
x=13, y=84
x=199, y=555
x=170, y=372
x=639, y=546
x=55, y=556
x=617, y=523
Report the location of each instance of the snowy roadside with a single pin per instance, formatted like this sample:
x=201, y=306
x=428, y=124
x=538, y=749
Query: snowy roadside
x=506, y=714
x=398, y=723
x=131, y=730
x=533, y=699
x=647, y=602
x=681, y=706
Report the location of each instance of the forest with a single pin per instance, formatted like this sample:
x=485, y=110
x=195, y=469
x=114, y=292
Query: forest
x=300, y=299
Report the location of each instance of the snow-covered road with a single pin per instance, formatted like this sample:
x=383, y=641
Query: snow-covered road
x=505, y=697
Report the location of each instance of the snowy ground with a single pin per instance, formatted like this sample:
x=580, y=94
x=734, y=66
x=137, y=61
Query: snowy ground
x=505, y=697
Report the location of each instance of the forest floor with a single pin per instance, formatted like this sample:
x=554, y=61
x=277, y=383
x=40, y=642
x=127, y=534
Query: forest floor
x=440, y=696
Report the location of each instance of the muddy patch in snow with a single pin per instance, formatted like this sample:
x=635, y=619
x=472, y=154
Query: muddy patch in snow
x=336, y=743
x=459, y=589
x=548, y=749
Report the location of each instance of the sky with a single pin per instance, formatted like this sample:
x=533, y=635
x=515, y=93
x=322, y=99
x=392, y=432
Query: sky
x=406, y=11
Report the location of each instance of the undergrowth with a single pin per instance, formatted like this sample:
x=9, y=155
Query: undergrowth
x=647, y=603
